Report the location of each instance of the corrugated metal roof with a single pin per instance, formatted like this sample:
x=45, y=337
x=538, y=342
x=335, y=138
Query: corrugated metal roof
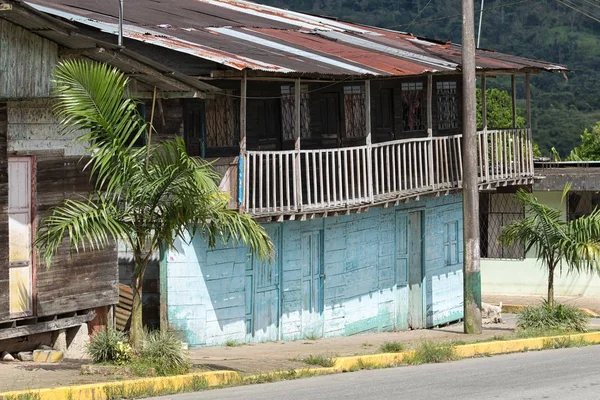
x=245, y=35
x=66, y=35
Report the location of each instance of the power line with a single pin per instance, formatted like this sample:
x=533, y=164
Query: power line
x=420, y=12
x=573, y=7
x=459, y=15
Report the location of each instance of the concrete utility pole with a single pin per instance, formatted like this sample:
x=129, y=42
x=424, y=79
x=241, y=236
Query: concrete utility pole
x=471, y=274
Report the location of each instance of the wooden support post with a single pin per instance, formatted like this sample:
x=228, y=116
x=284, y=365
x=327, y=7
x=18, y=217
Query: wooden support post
x=297, y=138
x=471, y=255
x=241, y=166
x=529, y=132
x=430, y=129
x=368, y=139
x=513, y=82
x=484, y=124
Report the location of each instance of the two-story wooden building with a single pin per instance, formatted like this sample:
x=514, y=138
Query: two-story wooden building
x=344, y=140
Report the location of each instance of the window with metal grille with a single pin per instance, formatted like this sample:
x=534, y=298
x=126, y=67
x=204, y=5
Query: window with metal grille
x=288, y=112
x=413, y=106
x=222, y=128
x=354, y=111
x=447, y=105
x=496, y=211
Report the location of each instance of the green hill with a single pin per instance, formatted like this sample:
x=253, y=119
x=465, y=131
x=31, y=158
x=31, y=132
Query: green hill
x=542, y=29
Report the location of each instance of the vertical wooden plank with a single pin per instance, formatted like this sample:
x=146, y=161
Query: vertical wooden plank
x=315, y=183
x=529, y=133
x=429, y=150
x=340, y=180
x=404, y=162
x=351, y=153
x=387, y=168
x=376, y=162
x=253, y=156
x=369, y=151
x=513, y=84
x=346, y=187
x=243, y=108
x=308, y=186
x=260, y=180
x=268, y=180
x=287, y=181
x=297, y=132
x=327, y=178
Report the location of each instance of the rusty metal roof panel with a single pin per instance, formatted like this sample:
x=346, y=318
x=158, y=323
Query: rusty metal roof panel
x=243, y=35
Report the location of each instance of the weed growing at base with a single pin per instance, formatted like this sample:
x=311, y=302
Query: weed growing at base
x=320, y=360
x=392, y=347
x=431, y=352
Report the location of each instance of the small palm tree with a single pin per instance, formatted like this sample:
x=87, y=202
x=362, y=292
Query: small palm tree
x=148, y=196
x=574, y=245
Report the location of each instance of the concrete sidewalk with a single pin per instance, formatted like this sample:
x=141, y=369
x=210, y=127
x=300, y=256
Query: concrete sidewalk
x=581, y=302
x=247, y=359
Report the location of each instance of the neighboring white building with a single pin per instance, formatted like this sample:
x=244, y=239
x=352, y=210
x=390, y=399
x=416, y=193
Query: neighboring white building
x=511, y=272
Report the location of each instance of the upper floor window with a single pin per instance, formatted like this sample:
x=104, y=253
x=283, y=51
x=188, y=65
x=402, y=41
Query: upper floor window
x=221, y=117
x=413, y=106
x=354, y=111
x=447, y=105
x=288, y=112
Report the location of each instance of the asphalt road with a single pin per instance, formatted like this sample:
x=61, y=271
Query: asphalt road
x=563, y=374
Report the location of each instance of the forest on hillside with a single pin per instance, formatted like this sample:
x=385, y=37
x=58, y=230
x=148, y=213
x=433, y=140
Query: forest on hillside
x=551, y=30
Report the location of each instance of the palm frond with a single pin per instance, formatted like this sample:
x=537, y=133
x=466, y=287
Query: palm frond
x=85, y=224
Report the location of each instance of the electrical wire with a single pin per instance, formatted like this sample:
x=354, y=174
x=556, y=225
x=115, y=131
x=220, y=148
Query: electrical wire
x=419, y=14
x=573, y=7
x=286, y=96
x=459, y=15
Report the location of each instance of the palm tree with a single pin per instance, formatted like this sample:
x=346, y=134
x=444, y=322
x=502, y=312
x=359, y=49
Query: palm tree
x=148, y=196
x=574, y=245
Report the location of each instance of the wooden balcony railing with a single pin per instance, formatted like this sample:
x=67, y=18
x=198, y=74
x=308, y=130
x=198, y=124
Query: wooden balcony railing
x=288, y=182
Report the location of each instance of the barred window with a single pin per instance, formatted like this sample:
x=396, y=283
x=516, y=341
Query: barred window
x=222, y=128
x=496, y=211
x=447, y=105
x=413, y=106
x=354, y=111
x=288, y=112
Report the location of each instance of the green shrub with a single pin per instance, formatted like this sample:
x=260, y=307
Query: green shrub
x=162, y=351
x=431, y=352
x=392, y=347
x=320, y=360
x=560, y=317
x=110, y=345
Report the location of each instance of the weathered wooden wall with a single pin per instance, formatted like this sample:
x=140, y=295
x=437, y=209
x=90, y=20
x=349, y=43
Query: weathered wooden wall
x=4, y=304
x=211, y=296
x=26, y=63
x=73, y=282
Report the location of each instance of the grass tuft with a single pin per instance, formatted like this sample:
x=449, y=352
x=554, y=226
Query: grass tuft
x=431, y=352
x=162, y=351
x=560, y=317
x=392, y=347
x=564, y=343
x=232, y=343
x=110, y=346
x=320, y=360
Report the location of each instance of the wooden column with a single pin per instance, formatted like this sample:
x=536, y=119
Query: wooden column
x=513, y=82
x=430, y=177
x=242, y=168
x=483, y=102
x=528, y=107
x=484, y=125
x=368, y=138
x=297, y=138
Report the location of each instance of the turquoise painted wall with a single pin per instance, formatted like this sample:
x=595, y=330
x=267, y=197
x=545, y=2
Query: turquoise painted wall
x=352, y=259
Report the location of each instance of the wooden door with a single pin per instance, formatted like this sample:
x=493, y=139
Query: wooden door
x=415, y=271
x=20, y=220
x=401, y=269
x=313, y=278
x=265, y=321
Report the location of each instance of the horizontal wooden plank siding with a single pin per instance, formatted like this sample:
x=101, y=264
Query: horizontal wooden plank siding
x=81, y=280
x=4, y=305
x=26, y=63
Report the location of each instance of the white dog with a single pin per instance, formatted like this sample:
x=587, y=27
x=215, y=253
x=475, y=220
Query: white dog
x=491, y=314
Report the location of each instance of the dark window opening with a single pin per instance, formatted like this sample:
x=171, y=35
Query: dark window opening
x=447, y=105
x=414, y=102
x=498, y=210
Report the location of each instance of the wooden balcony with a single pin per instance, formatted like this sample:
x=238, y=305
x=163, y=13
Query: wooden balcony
x=286, y=183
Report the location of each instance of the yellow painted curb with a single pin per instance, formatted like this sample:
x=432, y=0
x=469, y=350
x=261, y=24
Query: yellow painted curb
x=130, y=388
x=468, y=350
x=515, y=308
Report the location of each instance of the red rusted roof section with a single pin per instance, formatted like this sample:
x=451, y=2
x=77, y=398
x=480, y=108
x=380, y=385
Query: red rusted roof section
x=239, y=34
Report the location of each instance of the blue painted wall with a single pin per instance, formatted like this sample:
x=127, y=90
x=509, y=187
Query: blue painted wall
x=352, y=260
